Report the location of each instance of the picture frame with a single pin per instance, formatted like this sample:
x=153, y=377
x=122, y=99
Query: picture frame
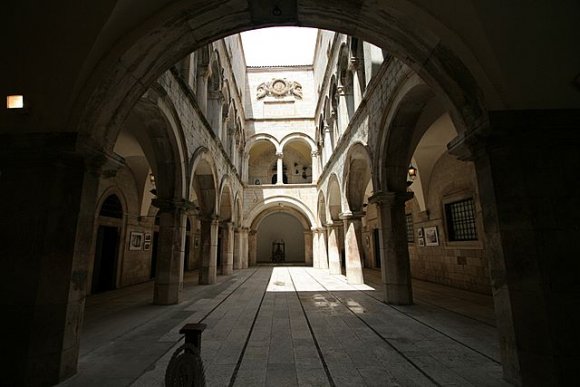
x=147, y=237
x=421, y=242
x=136, y=240
x=420, y=232
x=431, y=236
x=147, y=246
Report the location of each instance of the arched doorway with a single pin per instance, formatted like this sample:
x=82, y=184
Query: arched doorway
x=280, y=239
x=110, y=224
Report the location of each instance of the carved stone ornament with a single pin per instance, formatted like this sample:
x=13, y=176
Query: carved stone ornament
x=278, y=88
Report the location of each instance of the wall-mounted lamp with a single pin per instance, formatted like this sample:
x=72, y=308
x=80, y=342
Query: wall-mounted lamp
x=412, y=174
x=15, y=102
x=152, y=179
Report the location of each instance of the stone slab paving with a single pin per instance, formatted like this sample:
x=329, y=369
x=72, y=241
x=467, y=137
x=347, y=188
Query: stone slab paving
x=287, y=326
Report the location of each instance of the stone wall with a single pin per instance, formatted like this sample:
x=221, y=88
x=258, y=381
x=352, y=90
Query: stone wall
x=458, y=264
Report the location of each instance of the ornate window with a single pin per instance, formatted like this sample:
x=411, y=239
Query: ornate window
x=460, y=217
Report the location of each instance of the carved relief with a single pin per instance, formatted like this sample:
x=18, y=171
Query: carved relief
x=278, y=88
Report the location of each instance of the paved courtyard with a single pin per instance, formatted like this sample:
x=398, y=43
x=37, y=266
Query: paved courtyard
x=293, y=326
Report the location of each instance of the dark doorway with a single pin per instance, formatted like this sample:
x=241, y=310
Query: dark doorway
x=154, y=255
x=377, y=245
x=284, y=178
x=105, y=267
x=186, y=248
x=219, y=253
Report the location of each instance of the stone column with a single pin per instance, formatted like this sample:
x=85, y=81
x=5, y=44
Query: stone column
x=228, y=264
x=170, y=249
x=328, y=145
x=202, y=89
x=209, y=245
x=395, y=265
x=252, y=250
x=308, y=247
x=354, y=66
x=353, y=247
x=333, y=250
x=245, y=245
x=526, y=163
x=237, y=249
x=315, y=248
x=322, y=253
x=48, y=205
x=315, y=172
x=344, y=94
x=245, y=162
x=280, y=168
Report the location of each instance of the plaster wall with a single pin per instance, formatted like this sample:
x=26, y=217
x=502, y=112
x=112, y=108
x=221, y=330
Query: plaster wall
x=280, y=227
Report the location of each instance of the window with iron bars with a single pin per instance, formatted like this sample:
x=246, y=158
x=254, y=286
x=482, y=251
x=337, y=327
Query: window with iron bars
x=460, y=217
x=410, y=232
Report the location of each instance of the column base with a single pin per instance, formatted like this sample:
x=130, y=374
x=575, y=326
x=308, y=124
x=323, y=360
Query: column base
x=227, y=270
x=167, y=294
x=398, y=294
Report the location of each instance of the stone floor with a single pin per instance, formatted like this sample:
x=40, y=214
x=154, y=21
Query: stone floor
x=293, y=326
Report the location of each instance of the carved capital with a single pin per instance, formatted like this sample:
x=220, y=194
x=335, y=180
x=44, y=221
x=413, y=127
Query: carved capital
x=343, y=90
x=170, y=205
x=354, y=63
x=349, y=215
x=392, y=199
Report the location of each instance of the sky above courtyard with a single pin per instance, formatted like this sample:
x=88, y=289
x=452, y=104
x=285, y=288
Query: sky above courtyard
x=279, y=46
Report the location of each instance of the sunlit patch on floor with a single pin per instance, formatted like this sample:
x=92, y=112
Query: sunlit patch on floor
x=307, y=279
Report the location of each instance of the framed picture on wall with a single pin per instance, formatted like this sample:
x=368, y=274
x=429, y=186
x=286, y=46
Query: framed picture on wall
x=147, y=246
x=136, y=240
x=147, y=238
x=431, y=236
x=420, y=232
x=421, y=242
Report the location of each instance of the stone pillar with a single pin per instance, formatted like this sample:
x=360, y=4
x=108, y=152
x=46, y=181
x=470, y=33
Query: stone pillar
x=526, y=163
x=252, y=250
x=333, y=250
x=322, y=253
x=201, y=93
x=238, y=249
x=228, y=264
x=48, y=204
x=315, y=171
x=280, y=168
x=245, y=245
x=170, y=249
x=395, y=265
x=308, y=247
x=245, y=168
x=209, y=245
x=353, y=247
x=344, y=94
x=315, y=248
x=357, y=94
x=328, y=145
